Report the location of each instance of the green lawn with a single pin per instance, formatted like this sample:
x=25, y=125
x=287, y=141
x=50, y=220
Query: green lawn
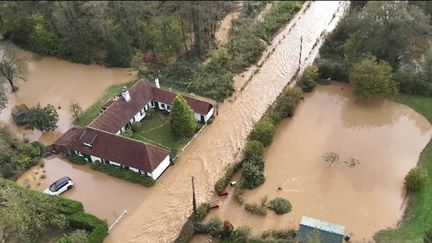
x=93, y=111
x=419, y=215
x=157, y=131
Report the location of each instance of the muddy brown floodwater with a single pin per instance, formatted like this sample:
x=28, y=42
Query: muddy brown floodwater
x=160, y=217
x=58, y=82
x=101, y=194
x=386, y=138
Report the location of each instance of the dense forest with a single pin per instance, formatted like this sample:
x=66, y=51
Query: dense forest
x=170, y=40
x=398, y=34
x=112, y=32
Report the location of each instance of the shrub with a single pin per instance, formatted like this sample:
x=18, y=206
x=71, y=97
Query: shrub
x=288, y=101
x=125, y=174
x=282, y=234
x=240, y=235
x=280, y=205
x=254, y=148
x=76, y=159
x=263, y=131
x=136, y=126
x=77, y=236
x=254, y=208
x=311, y=73
x=213, y=227
x=188, y=229
x=428, y=237
x=252, y=176
x=333, y=70
x=150, y=113
x=416, y=179
x=127, y=133
x=222, y=183
x=98, y=228
x=227, y=229
x=307, y=85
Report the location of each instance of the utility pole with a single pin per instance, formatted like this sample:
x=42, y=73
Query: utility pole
x=300, y=53
x=194, y=202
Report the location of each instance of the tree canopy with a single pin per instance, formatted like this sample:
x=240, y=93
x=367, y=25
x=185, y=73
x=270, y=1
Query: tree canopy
x=182, y=120
x=43, y=119
x=372, y=79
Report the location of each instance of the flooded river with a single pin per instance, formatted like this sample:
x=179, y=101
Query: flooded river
x=58, y=82
x=101, y=194
x=386, y=139
x=160, y=217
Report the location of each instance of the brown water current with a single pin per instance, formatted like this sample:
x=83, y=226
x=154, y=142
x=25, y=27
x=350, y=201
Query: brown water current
x=101, y=194
x=386, y=138
x=53, y=81
x=160, y=217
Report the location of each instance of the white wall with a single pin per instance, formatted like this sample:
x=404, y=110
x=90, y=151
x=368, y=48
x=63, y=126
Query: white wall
x=209, y=114
x=94, y=158
x=133, y=169
x=114, y=163
x=161, y=168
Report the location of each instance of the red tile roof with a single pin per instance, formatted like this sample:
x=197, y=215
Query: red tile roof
x=115, y=148
x=120, y=112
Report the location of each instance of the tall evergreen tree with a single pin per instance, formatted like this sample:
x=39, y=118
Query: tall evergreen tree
x=182, y=120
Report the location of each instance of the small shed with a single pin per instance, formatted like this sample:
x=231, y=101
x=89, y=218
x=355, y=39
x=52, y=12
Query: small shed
x=20, y=114
x=311, y=228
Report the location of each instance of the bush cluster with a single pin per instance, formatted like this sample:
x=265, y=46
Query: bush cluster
x=416, y=179
x=280, y=205
x=136, y=126
x=263, y=131
x=253, y=148
x=254, y=208
x=125, y=174
x=213, y=227
x=76, y=159
x=222, y=183
x=17, y=157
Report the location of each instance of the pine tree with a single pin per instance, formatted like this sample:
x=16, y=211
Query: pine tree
x=182, y=120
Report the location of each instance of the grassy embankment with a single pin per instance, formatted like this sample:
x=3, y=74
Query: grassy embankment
x=418, y=217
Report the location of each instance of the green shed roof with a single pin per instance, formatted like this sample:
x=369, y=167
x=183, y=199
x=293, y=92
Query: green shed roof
x=328, y=232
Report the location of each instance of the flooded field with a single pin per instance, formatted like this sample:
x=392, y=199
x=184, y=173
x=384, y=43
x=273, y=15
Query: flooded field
x=160, y=217
x=53, y=81
x=101, y=194
x=386, y=140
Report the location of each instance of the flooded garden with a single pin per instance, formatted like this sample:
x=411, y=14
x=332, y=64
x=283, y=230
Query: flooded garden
x=339, y=161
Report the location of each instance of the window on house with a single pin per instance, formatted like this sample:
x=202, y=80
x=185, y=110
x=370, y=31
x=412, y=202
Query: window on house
x=163, y=106
x=168, y=107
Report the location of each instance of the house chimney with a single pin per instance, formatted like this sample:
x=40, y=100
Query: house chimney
x=125, y=94
x=157, y=83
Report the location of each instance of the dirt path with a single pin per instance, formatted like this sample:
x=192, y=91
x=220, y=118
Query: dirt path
x=160, y=217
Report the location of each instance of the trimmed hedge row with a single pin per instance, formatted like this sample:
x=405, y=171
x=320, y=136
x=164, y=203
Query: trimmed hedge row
x=123, y=174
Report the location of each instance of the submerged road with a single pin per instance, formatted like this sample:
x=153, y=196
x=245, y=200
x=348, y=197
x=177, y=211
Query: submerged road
x=161, y=215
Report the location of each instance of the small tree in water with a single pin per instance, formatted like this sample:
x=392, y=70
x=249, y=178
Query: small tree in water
x=10, y=66
x=182, y=120
x=43, y=118
x=76, y=110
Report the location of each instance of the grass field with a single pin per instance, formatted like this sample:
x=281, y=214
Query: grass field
x=156, y=130
x=418, y=218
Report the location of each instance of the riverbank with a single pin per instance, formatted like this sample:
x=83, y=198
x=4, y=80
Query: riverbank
x=418, y=217
x=161, y=216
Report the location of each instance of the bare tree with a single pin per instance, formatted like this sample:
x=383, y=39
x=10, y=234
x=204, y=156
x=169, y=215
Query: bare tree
x=76, y=110
x=10, y=66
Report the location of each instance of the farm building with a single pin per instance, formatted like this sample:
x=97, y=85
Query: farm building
x=311, y=228
x=100, y=141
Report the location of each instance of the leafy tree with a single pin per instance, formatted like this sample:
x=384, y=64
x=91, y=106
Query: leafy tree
x=252, y=175
x=240, y=234
x=416, y=179
x=119, y=51
x=77, y=236
x=254, y=148
x=263, y=131
x=43, y=118
x=311, y=72
x=372, y=79
x=182, y=120
x=10, y=66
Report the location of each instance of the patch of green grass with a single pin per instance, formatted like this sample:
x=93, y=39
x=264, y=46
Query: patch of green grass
x=418, y=218
x=93, y=111
x=156, y=130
